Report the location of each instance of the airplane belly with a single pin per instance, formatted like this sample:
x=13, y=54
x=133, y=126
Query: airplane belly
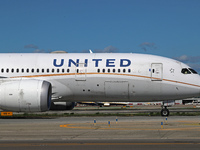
x=96, y=89
x=116, y=90
x=120, y=89
x=145, y=90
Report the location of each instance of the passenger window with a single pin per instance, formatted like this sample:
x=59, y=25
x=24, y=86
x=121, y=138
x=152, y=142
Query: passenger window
x=114, y=70
x=185, y=71
x=129, y=70
x=7, y=70
x=47, y=70
x=2, y=70
x=68, y=70
x=63, y=70
x=58, y=70
x=32, y=70
x=103, y=70
x=42, y=70
x=52, y=70
x=98, y=70
x=22, y=70
x=108, y=70
x=17, y=70
x=12, y=70
x=38, y=70
x=119, y=70
x=27, y=70
x=77, y=70
x=124, y=70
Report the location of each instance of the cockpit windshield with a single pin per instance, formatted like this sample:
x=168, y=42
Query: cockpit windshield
x=193, y=71
x=188, y=71
x=185, y=71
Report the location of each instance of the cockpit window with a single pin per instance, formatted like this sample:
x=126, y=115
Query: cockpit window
x=185, y=71
x=193, y=71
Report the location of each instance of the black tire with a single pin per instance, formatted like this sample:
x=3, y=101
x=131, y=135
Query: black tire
x=164, y=112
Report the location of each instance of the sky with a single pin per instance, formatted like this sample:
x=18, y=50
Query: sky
x=169, y=28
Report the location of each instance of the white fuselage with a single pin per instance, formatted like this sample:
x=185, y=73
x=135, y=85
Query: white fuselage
x=103, y=77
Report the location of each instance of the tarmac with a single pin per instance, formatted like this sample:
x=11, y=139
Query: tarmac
x=113, y=133
x=178, y=132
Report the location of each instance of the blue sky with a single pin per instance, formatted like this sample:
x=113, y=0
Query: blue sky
x=169, y=28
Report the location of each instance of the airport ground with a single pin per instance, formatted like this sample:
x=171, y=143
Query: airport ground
x=137, y=110
x=94, y=132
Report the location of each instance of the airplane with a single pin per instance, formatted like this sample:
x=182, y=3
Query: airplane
x=36, y=82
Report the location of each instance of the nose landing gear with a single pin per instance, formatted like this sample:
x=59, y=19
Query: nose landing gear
x=164, y=111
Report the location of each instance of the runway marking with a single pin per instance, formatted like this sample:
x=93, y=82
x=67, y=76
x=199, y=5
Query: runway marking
x=84, y=144
x=190, y=123
x=102, y=127
x=193, y=124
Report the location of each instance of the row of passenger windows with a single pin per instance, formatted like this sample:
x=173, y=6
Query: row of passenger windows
x=184, y=70
x=114, y=70
x=33, y=70
x=59, y=70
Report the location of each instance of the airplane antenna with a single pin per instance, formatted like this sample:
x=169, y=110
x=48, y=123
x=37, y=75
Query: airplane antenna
x=90, y=51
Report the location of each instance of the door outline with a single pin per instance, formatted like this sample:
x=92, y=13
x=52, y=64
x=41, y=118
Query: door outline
x=80, y=72
x=156, y=72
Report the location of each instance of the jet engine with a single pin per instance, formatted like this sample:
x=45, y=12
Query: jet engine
x=25, y=95
x=62, y=105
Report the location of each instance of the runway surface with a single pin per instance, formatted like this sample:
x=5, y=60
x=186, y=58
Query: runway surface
x=83, y=133
x=78, y=145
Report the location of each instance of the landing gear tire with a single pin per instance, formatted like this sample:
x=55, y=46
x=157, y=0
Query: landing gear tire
x=165, y=112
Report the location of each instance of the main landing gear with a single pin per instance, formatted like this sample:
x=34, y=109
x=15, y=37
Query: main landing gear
x=164, y=111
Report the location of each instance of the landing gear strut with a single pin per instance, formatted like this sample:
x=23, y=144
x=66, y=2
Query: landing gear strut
x=164, y=111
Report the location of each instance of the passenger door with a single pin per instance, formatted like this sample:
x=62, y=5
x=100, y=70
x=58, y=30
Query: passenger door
x=80, y=72
x=156, y=72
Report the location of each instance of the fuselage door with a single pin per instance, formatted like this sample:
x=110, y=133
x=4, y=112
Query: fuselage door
x=80, y=72
x=156, y=72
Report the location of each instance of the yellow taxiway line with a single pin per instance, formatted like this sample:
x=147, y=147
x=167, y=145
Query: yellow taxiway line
x=95, y=127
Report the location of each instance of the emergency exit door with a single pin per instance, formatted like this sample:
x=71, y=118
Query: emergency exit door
x=156, y=71
x=80, y=72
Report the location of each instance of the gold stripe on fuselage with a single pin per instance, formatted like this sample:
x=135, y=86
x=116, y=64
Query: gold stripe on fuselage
x=118, y=74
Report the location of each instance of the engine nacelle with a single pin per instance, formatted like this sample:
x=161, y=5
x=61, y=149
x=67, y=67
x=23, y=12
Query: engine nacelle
x=25, y=95
x=62, y=105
